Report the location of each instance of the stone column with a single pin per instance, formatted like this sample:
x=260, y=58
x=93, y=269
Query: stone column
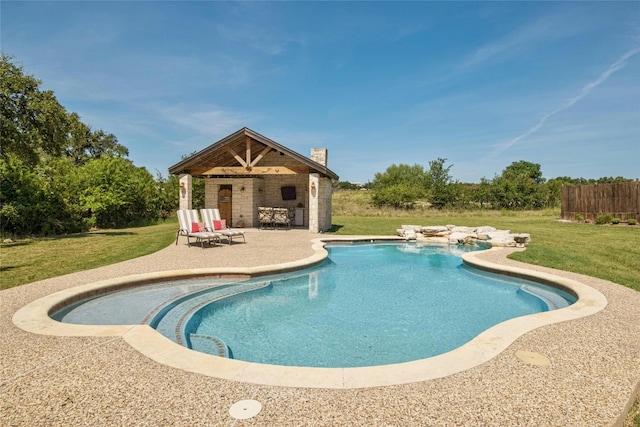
x=319, y=195
x=186, y=191
x=314, y=202
x=324, y=204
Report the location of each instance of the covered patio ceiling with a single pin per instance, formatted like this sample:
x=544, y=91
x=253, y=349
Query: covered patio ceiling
x=240, y=154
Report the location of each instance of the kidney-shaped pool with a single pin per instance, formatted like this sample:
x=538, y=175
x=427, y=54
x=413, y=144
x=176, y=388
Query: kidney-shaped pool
x=368, y=304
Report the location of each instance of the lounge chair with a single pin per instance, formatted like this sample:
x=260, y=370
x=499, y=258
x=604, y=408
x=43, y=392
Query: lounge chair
x=189, y=220
x=215, y=224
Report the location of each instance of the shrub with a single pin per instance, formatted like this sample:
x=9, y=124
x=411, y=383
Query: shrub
x=398, y=196
x=604, y=219
x=616, y=220
x=579, y=217
x=632, y=221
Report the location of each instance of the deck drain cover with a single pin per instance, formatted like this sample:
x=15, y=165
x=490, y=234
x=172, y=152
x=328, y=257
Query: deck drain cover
x=533, y=358
x=245, y=409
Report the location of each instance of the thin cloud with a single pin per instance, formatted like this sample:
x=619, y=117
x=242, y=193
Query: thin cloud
x=206, y=121
x=547, y=28
x=586, y=90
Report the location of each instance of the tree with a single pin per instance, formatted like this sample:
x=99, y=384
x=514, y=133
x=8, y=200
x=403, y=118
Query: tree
x=40, y=199
x=58, y=174
x=551, y=193
x=399, y=186
x=402, y=173
x=85, y=144
x=523, y=170
x=21, y=194
x=400, y=195
x=168, y=199
x=518, y=187
x=31, y=120
x=481, y=195
x=442, y=192
x=346, y=185
x=117, y=193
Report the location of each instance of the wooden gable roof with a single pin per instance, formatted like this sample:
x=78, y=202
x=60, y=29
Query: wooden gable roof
x=240, y=153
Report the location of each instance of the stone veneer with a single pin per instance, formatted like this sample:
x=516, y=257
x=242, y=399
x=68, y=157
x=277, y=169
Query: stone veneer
x=185, y=190
x=250, y=193
x=320, y=196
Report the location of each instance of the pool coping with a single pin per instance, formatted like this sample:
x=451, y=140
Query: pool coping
x=34, y=317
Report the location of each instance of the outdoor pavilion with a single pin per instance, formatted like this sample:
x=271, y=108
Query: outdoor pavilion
x=246, y=170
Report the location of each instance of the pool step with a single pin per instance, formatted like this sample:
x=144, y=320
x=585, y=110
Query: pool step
x=171, y=320
x=209, y=345
x=552, y=299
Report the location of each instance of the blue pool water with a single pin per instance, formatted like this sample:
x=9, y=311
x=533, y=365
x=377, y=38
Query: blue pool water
x=368, y=304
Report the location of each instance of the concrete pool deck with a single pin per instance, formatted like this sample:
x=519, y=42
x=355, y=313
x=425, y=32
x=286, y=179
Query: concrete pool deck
x=58, y=380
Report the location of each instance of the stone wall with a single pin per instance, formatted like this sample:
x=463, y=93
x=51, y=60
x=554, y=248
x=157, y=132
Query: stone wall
x=251, y=193
x=463, y=235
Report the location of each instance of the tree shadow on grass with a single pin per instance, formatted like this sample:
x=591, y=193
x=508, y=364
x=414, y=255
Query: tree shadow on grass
x=95, y=234
x=334, y=228
x=19, y=243
x=29, y=241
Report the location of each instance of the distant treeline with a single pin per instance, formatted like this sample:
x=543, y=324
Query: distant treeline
x=519, y=186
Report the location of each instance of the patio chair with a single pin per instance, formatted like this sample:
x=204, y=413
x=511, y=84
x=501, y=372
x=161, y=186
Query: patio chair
x=190, y=227
x=265, y=217
x=281, y=217
x=214, y=223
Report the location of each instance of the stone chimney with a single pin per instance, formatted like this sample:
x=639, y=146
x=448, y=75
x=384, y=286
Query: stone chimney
x=319, y=155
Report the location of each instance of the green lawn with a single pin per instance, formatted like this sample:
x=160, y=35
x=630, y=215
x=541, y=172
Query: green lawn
x=29, y=260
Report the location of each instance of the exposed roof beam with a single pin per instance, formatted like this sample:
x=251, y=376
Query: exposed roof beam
x=260, y=156
x=266, y=170
x=238, y=158
x=248, y=153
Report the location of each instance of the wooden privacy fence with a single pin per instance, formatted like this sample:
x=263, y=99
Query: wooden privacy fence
x=621, y=200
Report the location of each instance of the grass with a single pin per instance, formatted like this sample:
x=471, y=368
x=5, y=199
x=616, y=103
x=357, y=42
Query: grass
x=634, y=415
x=29, y=260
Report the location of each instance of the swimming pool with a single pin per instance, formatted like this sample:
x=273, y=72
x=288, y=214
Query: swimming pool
x=367, y=305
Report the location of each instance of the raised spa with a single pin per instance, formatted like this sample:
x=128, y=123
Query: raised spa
x=367, y=304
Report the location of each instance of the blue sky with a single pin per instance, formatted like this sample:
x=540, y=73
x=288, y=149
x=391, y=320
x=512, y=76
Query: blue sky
x=482, y=84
